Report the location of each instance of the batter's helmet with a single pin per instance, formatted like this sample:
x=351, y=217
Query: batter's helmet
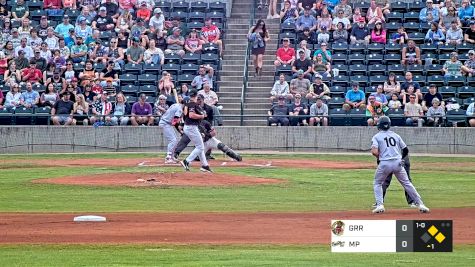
x=384, y=123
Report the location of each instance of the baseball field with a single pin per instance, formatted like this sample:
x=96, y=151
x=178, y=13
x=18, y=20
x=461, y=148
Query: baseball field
x=269, y=209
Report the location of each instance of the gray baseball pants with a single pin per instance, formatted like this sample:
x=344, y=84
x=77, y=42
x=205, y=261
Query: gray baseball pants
x=170, y=135
x=194, y=134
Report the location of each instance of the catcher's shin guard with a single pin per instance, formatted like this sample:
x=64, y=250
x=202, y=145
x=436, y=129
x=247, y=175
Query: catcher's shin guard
x=229, y=152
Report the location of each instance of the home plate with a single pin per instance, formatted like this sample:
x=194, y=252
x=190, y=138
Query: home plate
x=89, y=218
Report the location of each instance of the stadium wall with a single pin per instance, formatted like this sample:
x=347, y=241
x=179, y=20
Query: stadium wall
x=45, y=139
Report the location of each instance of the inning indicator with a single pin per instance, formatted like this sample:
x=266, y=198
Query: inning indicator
x=391, y=235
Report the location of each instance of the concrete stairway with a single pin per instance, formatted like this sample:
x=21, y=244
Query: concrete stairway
x=258, y=90
x=230, y=85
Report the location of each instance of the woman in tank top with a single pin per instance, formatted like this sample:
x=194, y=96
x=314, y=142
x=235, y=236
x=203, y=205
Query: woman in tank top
x=49, y=97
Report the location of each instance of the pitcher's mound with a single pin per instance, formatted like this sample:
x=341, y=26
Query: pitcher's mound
x=160, y=179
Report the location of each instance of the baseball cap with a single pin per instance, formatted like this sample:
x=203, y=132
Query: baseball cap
x=306, y=29
x=176, y=29
x=361, y=20
x=200, y=96
x=301, y=52
x=318, y=76
x=66, y=17
x=162, y=97
x=102, y=8
x=81, y=19
x=193, y=93
x=300, y=72
x=186, y=99
x=471, y=52
x=21, y=52
x=281, y=97
x=74, y=79
x=157, y=10
x=285, y=40
x=430, y=1
x=298, y=95
x=136, y=39
x=432, y=85
x=354, y=84
x=454, y=54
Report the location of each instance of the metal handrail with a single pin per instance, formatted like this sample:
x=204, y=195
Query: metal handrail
x=245, y=75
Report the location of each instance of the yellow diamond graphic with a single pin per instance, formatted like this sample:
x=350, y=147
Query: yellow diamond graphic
x=440, y=237
x=432, y=230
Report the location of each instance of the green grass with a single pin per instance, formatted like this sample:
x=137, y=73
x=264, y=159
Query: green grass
x=221, y=256
x=305, y=190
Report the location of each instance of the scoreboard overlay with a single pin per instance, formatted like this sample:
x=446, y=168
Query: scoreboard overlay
x=391, y=235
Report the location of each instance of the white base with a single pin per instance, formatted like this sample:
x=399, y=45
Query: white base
x=89, y=218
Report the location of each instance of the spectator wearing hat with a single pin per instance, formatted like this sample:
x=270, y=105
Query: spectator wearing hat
x=303, y=46
x=280, y=88
x=354, y=98
x=63, y=28
x=468, y=67
x=136, y=52
x=285, y=54
x=98, y=53
x=139, y=30
x=279, y=113
x=111, y=8
x=157, y=21
x=63, y=110
x=27, y=50
x=144, y=12
x=466, y=12
x=211, y=99
x=378, y=34
x=469, y=35
x=15, y=38
x=298, y=109
x=160, y=107
x=318, y=89
x=51, y=39
x=79, y=51
x=30, y=98
x=360, y=33
x=142, y=112
x=288, y=14
x=304, y=65
x=306, y=21
x=101, y=109
x=103, y=21
x=21, y=61
x=435, y=114
x=71, y=39
x=453, y=67
x=300, y=84
x=20, y=10
x=454, y=35
x=374, y=110
x=175, y=43
x=323, y=36
x=82, y=29
x=32, y=74
x=210, y=34
x=429, y=13
x=318, y=113
x=323, y=50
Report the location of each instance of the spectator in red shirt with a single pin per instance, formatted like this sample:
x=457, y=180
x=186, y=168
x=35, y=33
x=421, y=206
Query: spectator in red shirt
x=32, y=74
x=143, y=12
x=53, y=7
x=285, y=54
x=211, y=34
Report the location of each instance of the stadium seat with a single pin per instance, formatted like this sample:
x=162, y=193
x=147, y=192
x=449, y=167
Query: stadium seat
x=285, y=69
x=23, y=116
x=149, y=90
x=165, y=6
x=466, y=92
x=171, y=68
x=287, y=27
x=128, y=78
x=6, y=116
x=217, y=18
x=433, y=57
x=342, y=69
x=416, y=6
x=339, y=58
x=397, y=117
x=147, y=79
x=189, y=69
x=362, y=80
x=211, y=48
x=357, y=117
x=338, y=117
x=341, y=48
x=447, y=91
x=357, y=48
x=341, y=80
x=457, y=81
x=356, y=58
x=415, y=69
x=42, y=116
x=376, y=48
x=181, y=6
x=392, y=48
x=465, y=47
x=377, y=79
x=37, y=14
x=129, y=90
x=417, y=37
x=199, y=6
x=429, y=48
x=394, y=17
x=397, y=69
x=191, y=58
x=131, y=99
x=420, y=79
x=209, y=58
x=392, y=59
x=185, y=78
x=132, y=68
x=195, y=25
x=434, y=69
x=377, y=69
x=151, y=69
x=217, y=6
x=399, y=6
x=196, y=16
x=468, y=101
x=456, y=117
x=374, y=58
x=411, y=26
x=338, y=91
x=444, y=48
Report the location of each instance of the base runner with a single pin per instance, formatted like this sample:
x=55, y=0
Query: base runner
x=210, y=141
x=389, y=148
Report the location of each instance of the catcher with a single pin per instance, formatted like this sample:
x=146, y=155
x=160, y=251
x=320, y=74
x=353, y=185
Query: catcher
x=210, y=141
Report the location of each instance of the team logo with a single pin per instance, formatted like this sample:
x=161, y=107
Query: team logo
x=338, y=228
x=338, y=244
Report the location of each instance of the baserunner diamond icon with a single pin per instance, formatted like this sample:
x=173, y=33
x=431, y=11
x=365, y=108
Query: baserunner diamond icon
x=425, y=237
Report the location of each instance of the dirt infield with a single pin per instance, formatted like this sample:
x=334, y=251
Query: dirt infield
x=206, y=228
x=139, y=179
x=155, y=162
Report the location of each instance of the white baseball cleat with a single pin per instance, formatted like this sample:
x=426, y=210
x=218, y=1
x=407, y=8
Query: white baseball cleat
x=379, y=209
x=413, y=205
x=423, y=208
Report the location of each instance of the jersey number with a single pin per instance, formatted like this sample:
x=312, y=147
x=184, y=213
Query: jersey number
x=390, y=141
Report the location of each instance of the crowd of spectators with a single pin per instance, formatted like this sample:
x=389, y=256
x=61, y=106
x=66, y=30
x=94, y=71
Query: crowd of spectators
x=72, y=64
x=306, y=73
